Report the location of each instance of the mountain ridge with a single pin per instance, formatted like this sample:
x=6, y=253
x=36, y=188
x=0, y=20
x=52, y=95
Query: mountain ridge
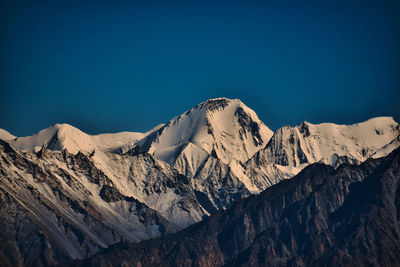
x=302, y=221
x=135, y=186
x=211, y=126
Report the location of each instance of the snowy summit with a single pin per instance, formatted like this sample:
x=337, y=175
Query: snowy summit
x=225, y=128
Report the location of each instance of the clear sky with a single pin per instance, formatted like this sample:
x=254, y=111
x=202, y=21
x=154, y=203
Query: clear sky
x=130, y=65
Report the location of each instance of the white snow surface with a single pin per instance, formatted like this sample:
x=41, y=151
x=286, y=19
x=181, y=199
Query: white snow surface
x=214, y=125
x=6, y=135
x=358, y=141
x=293, y=148
x=65, y=136
x=385, y=150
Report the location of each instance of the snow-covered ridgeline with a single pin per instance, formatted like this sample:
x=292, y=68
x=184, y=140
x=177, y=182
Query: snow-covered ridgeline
x=224, y=128
x=6, y=135
x=229, y=132
x=292, y=148
x=65, y=136
x=141, y=185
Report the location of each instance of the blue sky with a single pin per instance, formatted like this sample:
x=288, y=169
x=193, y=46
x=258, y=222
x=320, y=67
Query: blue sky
x=128, y=66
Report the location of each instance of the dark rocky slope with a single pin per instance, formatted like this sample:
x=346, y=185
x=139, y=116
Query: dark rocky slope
x=344, y=217
x=48, y=216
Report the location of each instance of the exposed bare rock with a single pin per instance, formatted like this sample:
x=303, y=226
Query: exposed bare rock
x=56, y=207
x=347, y=216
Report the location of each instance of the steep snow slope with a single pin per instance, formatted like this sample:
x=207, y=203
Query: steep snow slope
x=6, y=135
x=224, y=128
x=65, y=136
x=208, y=144
x=292, y=148
x=153, y=182
x=385, y=150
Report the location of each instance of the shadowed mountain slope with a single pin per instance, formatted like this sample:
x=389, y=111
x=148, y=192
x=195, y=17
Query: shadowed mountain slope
x=344, y=217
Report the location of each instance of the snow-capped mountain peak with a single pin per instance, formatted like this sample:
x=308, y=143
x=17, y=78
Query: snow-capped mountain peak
x=225, y=128
x=65, y=136
x=5, y=135
x=88, y=197
x=292, y=148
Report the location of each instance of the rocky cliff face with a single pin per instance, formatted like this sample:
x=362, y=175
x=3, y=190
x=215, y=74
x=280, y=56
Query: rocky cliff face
x=55, y=207
x=347, y=216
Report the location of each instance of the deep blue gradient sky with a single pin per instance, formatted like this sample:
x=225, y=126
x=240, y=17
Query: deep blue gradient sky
x=108, y=67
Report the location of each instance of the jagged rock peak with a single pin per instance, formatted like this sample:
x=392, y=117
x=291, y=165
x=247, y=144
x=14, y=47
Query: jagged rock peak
x=215, y=104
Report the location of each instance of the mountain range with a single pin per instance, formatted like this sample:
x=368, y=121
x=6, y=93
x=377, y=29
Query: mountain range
x=66, y=195
x=323, y=216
